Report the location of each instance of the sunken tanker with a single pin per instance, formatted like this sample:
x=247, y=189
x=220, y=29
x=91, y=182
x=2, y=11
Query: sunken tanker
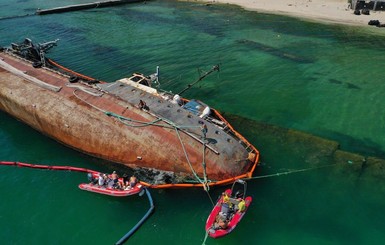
x=127, y=121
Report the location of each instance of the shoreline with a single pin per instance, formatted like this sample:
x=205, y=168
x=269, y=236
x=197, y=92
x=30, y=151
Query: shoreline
x=325, y=11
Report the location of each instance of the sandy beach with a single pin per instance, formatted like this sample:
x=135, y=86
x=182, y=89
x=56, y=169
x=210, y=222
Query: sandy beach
x=329, y=11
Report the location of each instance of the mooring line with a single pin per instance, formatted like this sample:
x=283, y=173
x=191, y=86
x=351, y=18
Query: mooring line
x=292, y=171
x=204, y=240
x=212, y=202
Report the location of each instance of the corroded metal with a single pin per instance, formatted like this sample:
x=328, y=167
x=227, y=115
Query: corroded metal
x=103, y=120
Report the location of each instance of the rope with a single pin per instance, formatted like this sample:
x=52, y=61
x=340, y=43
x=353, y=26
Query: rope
x=176, y=127
x=143, y=124
x=208, y=194
x=205, y=182
x=204, y=240
x=153, y=123
x=170, y=126
x=188, y=160
x=93, y=106
x=206, y=186
x=86, y=90
x=289, y=172
x=204, y=167
x=121, y=118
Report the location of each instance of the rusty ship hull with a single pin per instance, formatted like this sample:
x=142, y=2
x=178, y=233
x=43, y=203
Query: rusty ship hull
x=104, y=121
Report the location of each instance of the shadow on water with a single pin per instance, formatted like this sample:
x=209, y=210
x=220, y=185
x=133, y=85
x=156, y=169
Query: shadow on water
x=312, y=151
x=274, y=51
x=352, y=86
x=364, y=147
x=335, y=81
x=348, y=84
x=184, y=18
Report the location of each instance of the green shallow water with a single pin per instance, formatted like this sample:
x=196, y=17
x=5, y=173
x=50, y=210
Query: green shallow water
x=320, y=79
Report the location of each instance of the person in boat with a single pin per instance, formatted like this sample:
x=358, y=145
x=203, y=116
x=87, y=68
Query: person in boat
x=125, y=182
x=129, y=183
x=93, y=180
x=225, y=198
x=241, y=205
x=221, y=222
x=101, y=179
x=225, y=206
x=238, y=202
x=133, y=181
x=114, y=180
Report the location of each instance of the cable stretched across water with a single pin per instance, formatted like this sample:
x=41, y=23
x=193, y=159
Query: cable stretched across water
x=288, y=172
x=293, y=171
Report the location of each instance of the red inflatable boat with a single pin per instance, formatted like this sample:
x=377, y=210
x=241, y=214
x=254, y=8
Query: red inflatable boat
x=228, y=211
x=108, y=189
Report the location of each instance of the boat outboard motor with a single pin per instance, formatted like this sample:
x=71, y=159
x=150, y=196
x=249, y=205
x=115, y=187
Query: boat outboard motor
x=238, y=194
x=225, y=210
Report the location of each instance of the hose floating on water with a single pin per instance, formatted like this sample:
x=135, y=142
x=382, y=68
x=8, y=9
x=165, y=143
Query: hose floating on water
x=76, y=169
x=125, y=237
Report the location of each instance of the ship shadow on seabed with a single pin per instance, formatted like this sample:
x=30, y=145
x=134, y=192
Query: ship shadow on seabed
x=345, y=168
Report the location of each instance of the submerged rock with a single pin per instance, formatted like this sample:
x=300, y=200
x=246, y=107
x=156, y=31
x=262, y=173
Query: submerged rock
x=314, y=151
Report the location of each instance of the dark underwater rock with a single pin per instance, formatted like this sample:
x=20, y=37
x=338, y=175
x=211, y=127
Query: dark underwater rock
x=314, y=151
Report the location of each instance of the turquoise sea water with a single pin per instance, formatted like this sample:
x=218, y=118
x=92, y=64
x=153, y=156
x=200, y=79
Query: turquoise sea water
x=325, y=80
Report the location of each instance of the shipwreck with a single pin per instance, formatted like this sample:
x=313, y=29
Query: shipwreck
x=129, y=121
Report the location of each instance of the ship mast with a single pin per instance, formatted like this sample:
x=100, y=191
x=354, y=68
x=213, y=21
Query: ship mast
x=214, y=68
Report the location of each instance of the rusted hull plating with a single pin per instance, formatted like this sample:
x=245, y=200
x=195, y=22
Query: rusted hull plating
x=77, y=118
